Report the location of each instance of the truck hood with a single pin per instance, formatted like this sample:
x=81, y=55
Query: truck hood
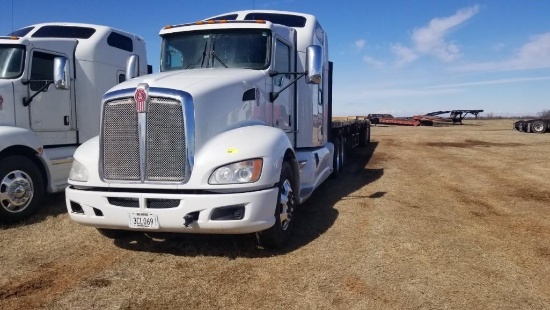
x=219, y=103
x=195, y=81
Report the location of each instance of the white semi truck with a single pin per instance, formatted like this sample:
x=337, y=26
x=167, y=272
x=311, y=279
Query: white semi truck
x=42, y=122
x=231, y=135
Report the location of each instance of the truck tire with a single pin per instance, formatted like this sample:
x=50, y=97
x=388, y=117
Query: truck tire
x=21, y=188
x=518, y=126
x=115, y=233
x=336, y=159
x=538, y=126
x=278, y=235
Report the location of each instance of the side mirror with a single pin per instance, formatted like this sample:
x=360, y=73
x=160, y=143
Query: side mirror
x=61, y=77
x=314, y=64
x=132, y=67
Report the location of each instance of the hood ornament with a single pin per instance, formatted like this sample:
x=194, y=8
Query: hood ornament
x=141, y=96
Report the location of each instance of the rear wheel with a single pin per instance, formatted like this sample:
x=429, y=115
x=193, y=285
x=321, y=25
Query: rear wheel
x=278, y=235
x=21, y=188
x=538, y=126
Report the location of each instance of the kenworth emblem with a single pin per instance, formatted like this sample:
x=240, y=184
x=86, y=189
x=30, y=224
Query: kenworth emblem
x=141, y=98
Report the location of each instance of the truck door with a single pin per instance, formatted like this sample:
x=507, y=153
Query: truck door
x=283, y=106
x=50, y=111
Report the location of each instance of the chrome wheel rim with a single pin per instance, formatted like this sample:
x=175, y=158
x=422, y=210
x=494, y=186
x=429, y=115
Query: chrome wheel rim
x=286, y=205
x=16, y=191
x=538, y=127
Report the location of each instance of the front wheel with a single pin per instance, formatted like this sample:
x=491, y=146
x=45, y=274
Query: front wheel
x=278, y=235
x=21, y=188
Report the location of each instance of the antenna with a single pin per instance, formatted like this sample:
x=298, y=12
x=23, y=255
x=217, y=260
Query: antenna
x=11, y=16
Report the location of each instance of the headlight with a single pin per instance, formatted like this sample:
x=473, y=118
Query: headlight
x=246, y=171
x=78, y=172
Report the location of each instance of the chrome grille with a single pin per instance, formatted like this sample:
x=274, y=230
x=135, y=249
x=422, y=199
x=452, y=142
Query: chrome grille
x=165, y=141
x=164, y=150
x=121, y=140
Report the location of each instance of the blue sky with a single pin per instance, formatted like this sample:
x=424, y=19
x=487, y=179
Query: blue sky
x=400, y=57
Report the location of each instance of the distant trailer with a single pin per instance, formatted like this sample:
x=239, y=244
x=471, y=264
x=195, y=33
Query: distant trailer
x=455, y=116
x=388, y=119
x=535, y=125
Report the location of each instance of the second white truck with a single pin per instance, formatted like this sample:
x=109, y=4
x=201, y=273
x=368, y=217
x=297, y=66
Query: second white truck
x=231, y=135
x=42, y=122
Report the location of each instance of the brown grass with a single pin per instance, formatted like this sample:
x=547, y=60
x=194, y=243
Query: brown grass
x=425, y=217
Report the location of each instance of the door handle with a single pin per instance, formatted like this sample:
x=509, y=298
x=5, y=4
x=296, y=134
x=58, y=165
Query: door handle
x=66, y=120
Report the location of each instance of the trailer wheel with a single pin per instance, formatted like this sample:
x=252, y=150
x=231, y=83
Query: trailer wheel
x=278, y=235
x=115, y=233
x=336, y=158
x=538, y=126
x=21, y=188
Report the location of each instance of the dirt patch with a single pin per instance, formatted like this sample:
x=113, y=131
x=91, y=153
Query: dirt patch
x=45, y=283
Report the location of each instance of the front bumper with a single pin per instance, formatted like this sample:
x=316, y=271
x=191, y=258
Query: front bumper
x=95, y=208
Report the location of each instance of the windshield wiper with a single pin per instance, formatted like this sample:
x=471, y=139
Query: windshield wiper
x=199, y=59
x=213, y=53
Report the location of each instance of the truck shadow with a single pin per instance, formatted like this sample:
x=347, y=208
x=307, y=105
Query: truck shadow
x=313, y=218
x=52, y=205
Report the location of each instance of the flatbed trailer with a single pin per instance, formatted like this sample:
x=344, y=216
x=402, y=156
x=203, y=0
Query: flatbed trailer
x=455, y=116
x=388, y=119
x=354, y=129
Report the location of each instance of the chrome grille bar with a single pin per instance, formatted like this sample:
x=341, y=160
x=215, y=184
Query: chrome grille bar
x=144, y=148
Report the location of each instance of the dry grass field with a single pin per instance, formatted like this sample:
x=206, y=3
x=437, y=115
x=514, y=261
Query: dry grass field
x=450, y=217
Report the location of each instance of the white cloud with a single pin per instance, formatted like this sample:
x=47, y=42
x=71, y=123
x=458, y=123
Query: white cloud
x=371, y=61
x=535, y=54
x=360, y=44
x=492, y=82
x=431, y=38
x=404, y=55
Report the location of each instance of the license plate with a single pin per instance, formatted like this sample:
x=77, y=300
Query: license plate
x=144, y=220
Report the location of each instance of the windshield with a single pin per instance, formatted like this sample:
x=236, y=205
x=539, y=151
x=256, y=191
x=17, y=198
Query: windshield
x=11, y=61
x=216, y=49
